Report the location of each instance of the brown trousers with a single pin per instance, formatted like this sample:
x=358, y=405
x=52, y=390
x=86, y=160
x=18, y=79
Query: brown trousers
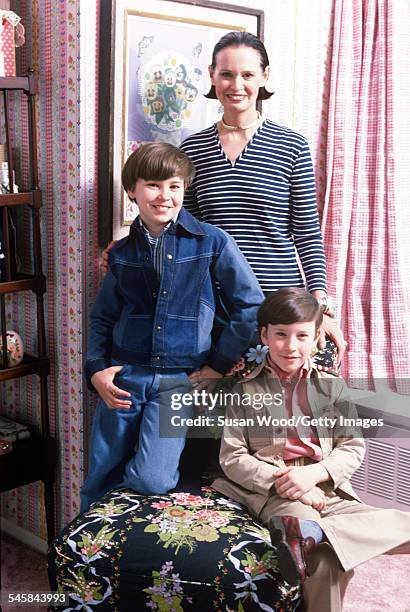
x=355, y=533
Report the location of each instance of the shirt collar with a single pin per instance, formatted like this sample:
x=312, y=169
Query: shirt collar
x=165, y=228
x=184, y=219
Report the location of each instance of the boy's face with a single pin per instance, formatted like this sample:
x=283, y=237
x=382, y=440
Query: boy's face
x=289, y=345
x=158, y=201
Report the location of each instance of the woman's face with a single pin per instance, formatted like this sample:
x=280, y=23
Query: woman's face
x=237, y=78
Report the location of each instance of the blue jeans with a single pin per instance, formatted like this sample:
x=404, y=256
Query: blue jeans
x=127, y=449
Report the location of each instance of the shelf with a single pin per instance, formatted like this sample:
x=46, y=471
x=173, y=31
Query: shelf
x=27, y=83
x=29, y=365
x=30, y=460
x=34, y=459
x=30, y=198
x=24, y=282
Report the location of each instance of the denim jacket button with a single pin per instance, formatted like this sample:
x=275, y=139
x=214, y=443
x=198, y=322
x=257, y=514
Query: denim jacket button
x=159, y=328
x=165, y=292
x=154, y=294
x=169, y=256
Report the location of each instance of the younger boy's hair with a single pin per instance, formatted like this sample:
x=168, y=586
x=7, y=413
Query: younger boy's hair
x=289, y=305
x=156, y=161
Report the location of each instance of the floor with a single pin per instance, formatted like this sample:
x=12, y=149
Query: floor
x=22, y=570
x=381, y=585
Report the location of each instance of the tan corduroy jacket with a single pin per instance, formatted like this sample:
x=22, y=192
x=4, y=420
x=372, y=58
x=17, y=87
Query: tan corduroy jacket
x=251, y=452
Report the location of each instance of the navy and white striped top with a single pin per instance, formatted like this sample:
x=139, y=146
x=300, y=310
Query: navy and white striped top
x=266, y=200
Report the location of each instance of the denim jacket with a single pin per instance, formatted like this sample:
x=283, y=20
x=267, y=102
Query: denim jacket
x=167, y=322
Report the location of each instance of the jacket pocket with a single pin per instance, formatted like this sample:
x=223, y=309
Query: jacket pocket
x=181, y=335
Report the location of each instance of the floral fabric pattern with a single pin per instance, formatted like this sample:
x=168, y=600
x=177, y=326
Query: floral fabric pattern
x=187, y=550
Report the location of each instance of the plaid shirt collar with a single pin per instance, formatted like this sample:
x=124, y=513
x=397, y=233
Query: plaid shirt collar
x=146, y=230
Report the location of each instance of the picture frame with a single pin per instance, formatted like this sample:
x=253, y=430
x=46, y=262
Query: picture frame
x=153, y=75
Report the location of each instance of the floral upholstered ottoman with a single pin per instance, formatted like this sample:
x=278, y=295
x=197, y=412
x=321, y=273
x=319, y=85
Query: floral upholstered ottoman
x=188, y=550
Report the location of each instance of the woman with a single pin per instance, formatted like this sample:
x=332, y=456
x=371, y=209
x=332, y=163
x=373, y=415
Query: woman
x=254, y=179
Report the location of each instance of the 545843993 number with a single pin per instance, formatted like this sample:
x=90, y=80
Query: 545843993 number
x=34, y=598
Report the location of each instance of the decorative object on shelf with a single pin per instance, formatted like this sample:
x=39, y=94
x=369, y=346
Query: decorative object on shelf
x=12, y=431
x=5, y=186
x=11, y=36
x=6, y=446
x=15, y=349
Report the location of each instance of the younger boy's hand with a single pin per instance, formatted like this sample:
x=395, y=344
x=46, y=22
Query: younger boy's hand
x=109, y=393
x=294, y=481
x=315, y=498
x=105, y=256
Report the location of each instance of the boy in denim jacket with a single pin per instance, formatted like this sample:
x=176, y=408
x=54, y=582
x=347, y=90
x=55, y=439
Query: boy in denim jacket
x=151, y=325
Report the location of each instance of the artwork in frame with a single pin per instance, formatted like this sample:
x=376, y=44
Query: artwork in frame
x=154, y=57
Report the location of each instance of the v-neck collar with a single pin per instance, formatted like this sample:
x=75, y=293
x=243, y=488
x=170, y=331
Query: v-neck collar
x=233, y=163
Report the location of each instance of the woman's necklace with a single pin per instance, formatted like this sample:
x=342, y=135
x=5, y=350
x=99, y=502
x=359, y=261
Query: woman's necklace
x=242, y=127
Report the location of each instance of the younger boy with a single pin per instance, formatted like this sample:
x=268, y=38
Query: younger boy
x=295, y=477
x=151, y=325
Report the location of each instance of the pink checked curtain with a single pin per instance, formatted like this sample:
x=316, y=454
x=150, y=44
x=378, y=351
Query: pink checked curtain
x=363, y=229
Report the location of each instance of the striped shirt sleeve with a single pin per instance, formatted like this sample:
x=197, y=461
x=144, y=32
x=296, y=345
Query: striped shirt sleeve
x=305, y=225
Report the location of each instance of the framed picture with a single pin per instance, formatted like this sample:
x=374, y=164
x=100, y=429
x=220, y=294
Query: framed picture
x=154, y=57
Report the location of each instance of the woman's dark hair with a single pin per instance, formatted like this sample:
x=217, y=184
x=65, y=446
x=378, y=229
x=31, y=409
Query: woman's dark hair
x=156, y=161
x=241, y=39
x=289, y=305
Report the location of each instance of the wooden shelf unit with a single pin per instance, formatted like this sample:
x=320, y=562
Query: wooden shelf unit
x=32, y=459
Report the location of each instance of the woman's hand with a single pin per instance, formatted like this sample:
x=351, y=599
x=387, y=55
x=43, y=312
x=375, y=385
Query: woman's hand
x=105, y=257
x=103, y=383
x=330, y=327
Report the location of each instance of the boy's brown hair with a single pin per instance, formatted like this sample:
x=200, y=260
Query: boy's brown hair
x=289, y=305
x=156, y=161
